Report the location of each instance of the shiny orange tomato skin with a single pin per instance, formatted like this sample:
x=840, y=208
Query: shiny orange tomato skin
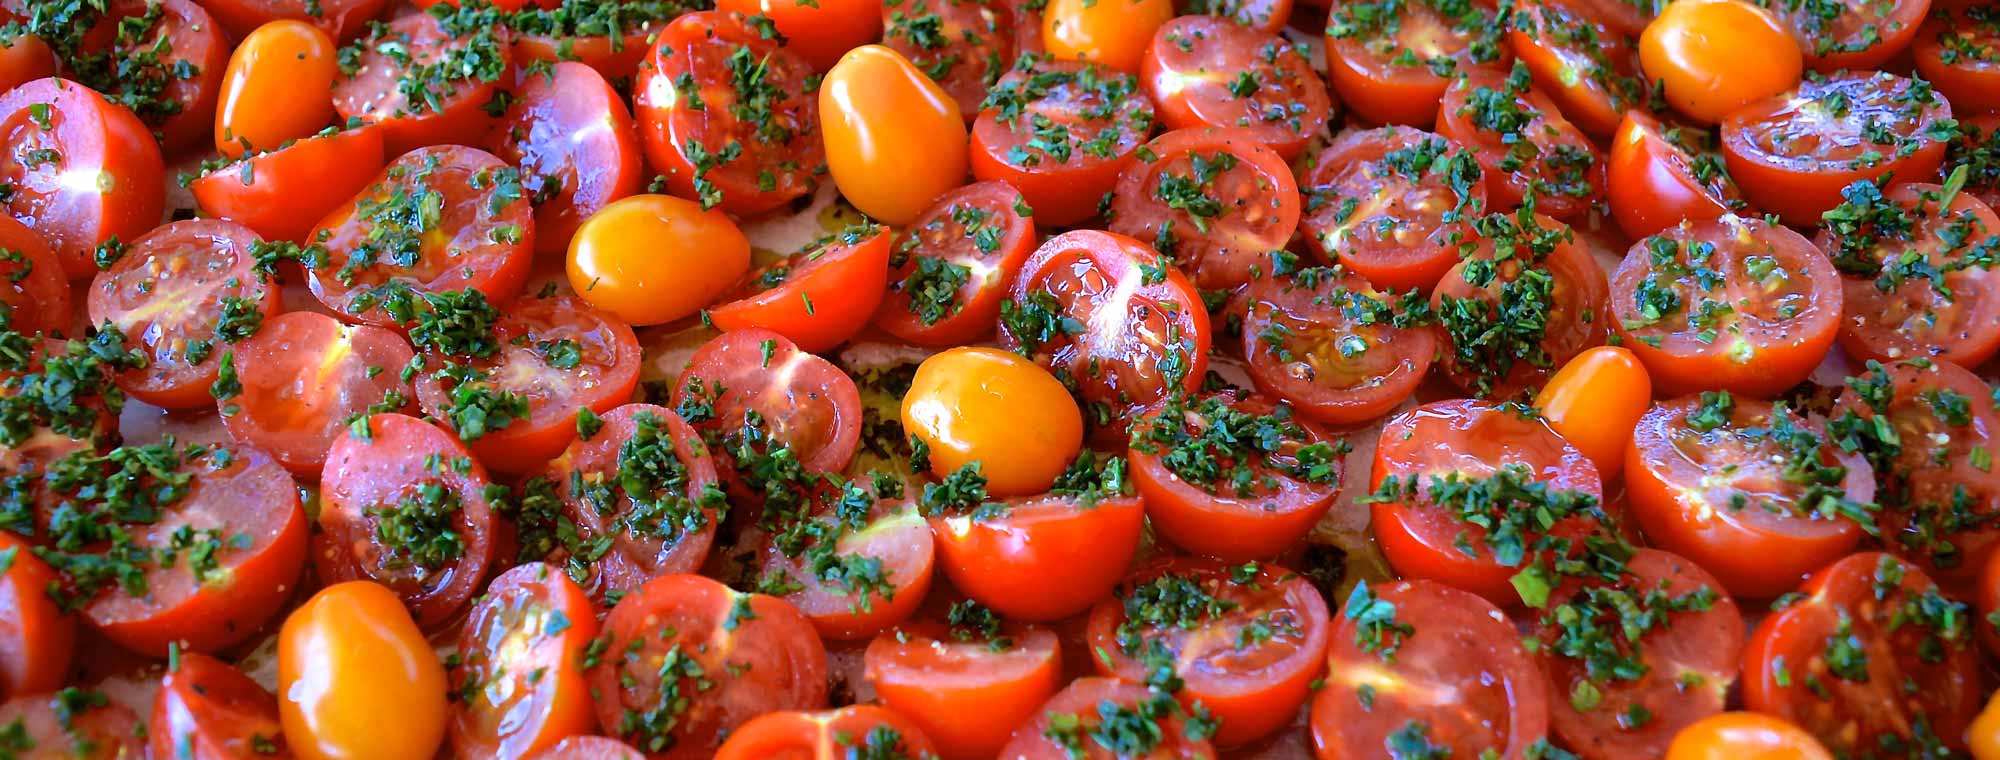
x=357, y=680
x=1745, y=736
x=1595, y=401
x=1115, y=33
x=1716, y=55
x=656, y=258
x=985, y=405
x=1984, y=733
x=894, y=139
x=819, y=30
x=279, y=87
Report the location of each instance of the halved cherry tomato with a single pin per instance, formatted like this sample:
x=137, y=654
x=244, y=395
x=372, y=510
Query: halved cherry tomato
x=51, y=129
x=853, y=569
x=962, y=45
x=1594, y=402
x=746, y=140
x=937, y=675
x=1392, y=63
x=1332, y=346
x=1745, y=736
x=796, y=400
x=1043, y=557
x=504, y=5
x=1588, y=68
x=1851, y=34
x=894, y=139
x=1977, y=148
x=974, y=405
x=1398, y=646
x=655, y=258
x=163, y=58
x=949, y=269
x=1673, y=638
x=573, y=139
x=340, y=19
x=439, y=219
x=520, y=666
x=281, y=195
x=1659, y=175
x=1871, y=655
x=1521, y=261
x=417, y=48
x=1959, y=51
x=1101, y=114
x=34, y=293
x=406, y=506
x=1732, y=304
x=1216, y=200
x=1915, y=284
x=1233, y=476
x=1453, y=443
x=1204, y=71
x=614, y=43
x=848, y=732
x=36, y=636
x=1113, y=320
x=206, y=708
x=588, y=748
x=1794, y=153
x=687, y=661
x=1391, y=204
x=1523, y=143
x=659, y=521
x=305, y=376
x=279, y=87
x=819, y=31
x=1089, y=717
x=25, y=58
x=818, y=297
x=1262, y=15
x=1712, y=57
x=184, y=295
x=72, y=724
x=357, y=680
x=1114, y=35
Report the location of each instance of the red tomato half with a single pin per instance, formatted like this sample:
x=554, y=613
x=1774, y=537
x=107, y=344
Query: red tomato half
x=74, y=725
x=36, y=636
x=1588, y=68
x=51, y=129
x=1916, y=285
x=455, y=74
x=340, y=19
x=1524, y=144
x=757, y=378
x=1331, y=346
x=206, y=708
x=937, y=674
x=1393, y=68
x=1851, y=34
x=34, y=293
x=818, y=297
x=1216, y=200
x=1794, y=153
x=1232, y=476
x=852, y=570
x=963, y=45
x=849, y=732
x=1205, y=71
x=573, y=140
x=521, y=663
x=1659, y=175
x=1391, y=204
x=613, y=43
x=305, y=377
x=164, y=59
x=1072, y=725
x=1100, y=115
x=660, y=521
x=282, y=194
x=1522, y=265
x=1959, y=51
x=949, y=270
x=1043, y=557
x=588, y=748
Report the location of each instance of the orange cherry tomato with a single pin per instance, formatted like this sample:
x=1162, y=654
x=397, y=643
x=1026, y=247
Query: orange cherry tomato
x=1984, y=733
x=357, y=680
x=279, y=87
x=992, y=407
x=521, y=665
x=894, y=139
x=937, y=674
x=1115, y=33
x=819, y=31
x=655, y=258
x=1594, y=401
x=849, y=732
x=36, y=637
x=1715, y=56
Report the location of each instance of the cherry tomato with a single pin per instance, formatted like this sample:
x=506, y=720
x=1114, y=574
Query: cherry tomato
x=1524, y=145
x=55, y=128
x=1331, y=345
x=688, y=661
x=1871, y=655
x=1100, y=110
x=651, y=259
x=895, y=140
x=1216, y=200
x=457, y=220
x=279, y=87
x=521, y=662
x=819, y=32
x=1745, y=736
x=746, y=142
x=1041, y=557
x=1983, y=735
x=588, y=748
x=1232, y=476
x=169, y=58
x=759, y=387
x=937, y=674
x=1850, y=34
x=1380, y=681
x=660, y=521
x=407, y=507
x=283, y=194
x=1977, y=148
x=357, y=680
x=573, y=139
x=1715, y=56
x=340, y=19
x=614, y=42
x=1734, y=304
x=1588, y=68
x=1204, y=71
x=815, y=561
x=23, y=59
x=1594, y=402
x=184, y=294
x=1088, y=718
x=1794, y=152
x=1658, y=175
x=962, y=45
x=991, y=408
x=1543, y=260
x=419, y=48
x=818, y=297
x=304, y=375
x=206, y=708
x=1959, y=51
x=1875, y=237
x=852, y=731
x=1112, y=34
x=949, y=268
x=72, y=724
x=1393, y=68
x=1390, y=204
x=36, y=636
x=34, y=294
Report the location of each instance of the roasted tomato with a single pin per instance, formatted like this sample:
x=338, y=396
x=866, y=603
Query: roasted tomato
x=1205, y=71
x=963, y=45
x=1332, y=346
x=640, y=498
x=1659, y=175
x=1233, y=476
x=1795, y=152
x=206, y=708
x=1526, y=147
x=1215, y=200
x=818, y=297
x=1525, y=299
x=520, y=665
x=949, y=269
x=852, y=731
x=304, y=377
x=573, y=140
x=1918, y=275
x=1089, y=719
x=937, y=673
x=51, y=129
x=1391, y=204
x=1851, y=34
x=1391, y=62
x=1099, y=118
x=425, y=79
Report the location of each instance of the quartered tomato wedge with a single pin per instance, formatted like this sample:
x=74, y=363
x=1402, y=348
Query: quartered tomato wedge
x=852, y=731
x=304, y=377
x=1232, y=476
x=1587, y=67
x=1398, y=647
x=1101, y=115
x=1851, y=34
x=1919, y=280
x=520, y=667
x=163, y=58
x=757, y=378
x=282, y=194
x=1332, y=346
x=1391, y=204
x=185, y=295
x=457, y=71
x=38, y=638
x=1638, y=656
x=1959, y=51
x=1794, y=153
x=406, y=506
x=1871, y=655
x=1392, y=63
x=1089, y=719
x=573, y=140
x=1658, y=175
x=440, y=219
x=1218, y=201
x=687, y=661
x=206, y=708
x=340, y=19
x=963, y=45
x=1520, y=262
x=937, y=673
x=742, y=137
x=73, y=724
x=949, y=270
x=1043, y=557
x=34, y=293
x=1524, y=144
x=860, y=564
x=1206, y=71
x=639, y=499
x=1735, y=304
x=818, y=297
x=51, y=129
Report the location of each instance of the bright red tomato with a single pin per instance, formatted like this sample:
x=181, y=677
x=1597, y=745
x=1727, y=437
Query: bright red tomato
x=36, y=636
x=1915, y=285
x=1392, y=204
x=1521, y=263
x=340, y=19
x=282, y=194
x=615, y=531
x=949, y=270
x=1524, y=144
x=1218, y=201
x=937, y=674
x=34, y=293
x=1042, y=557
x=304, y=377
x=1393, y=67
x=1658, y=175
x=520, y=665
x=1231, y=475
x=756, y=380
x=1088, y=718
x=1206, y=71
x=1959, y=51
x=1333, y=346
x=818, y=297
x=1851, y=34
x=855, y=566
x=1587, y=67
x=1099, y=113
x=51, y=129
x=73, y=725
x=454, y=72
x=1795, y=152
x=573, y=140
x=206, y=708
x=963, y=45
x=164, y=59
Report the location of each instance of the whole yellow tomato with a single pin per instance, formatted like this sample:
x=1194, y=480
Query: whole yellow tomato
x=993, y=407
x=1115, y=33
x=656, y=258
x=1745, y=736
x=278, y=87
x=1716, y=55
x=1595, y=401
x=894, y=139
x=357, y=680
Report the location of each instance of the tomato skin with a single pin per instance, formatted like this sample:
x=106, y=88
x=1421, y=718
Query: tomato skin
x=1405, y=230
x=936, y=675
x=893, y=534
x=350, y=663
x=1970, y=83
x=340, y=19
x=1294, y=332
x=984, y=405
x=1565, y=172
x=820, y=32
x=531, y=620
x=1715, y=56
x=1577, y=293
x=1745, y=736
x=1761, y=141
x=1652, y=182
x=955, y=230
x=34, y=292
x=1222, y=519
x=1360, y=67
x=1913, y=319
x=845, y=732
x=615, y=259
x=1257, y=198
x=570, y=128
x=208, y=709
x=1583, y=64
x=371, y=93
x=1112, y=34
x=1858, y=36
x=36, y=636
x=1046, y=558
x=805, y=403
x=1595, y=401
x=1082, y=699
x=824, y=294
x=24, y=59
x=194, y=55
x=292, y=189
x=1983, y=736
x=972, y=46
x=632, y=557
x=92, y=134
x=53, y=728
x=1188, y=58
x=279, y=87
x=616, y=57
x=588, y=748
x=303, y=375
x=1094, y=103
x=1986, y=600
x=894, y=139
